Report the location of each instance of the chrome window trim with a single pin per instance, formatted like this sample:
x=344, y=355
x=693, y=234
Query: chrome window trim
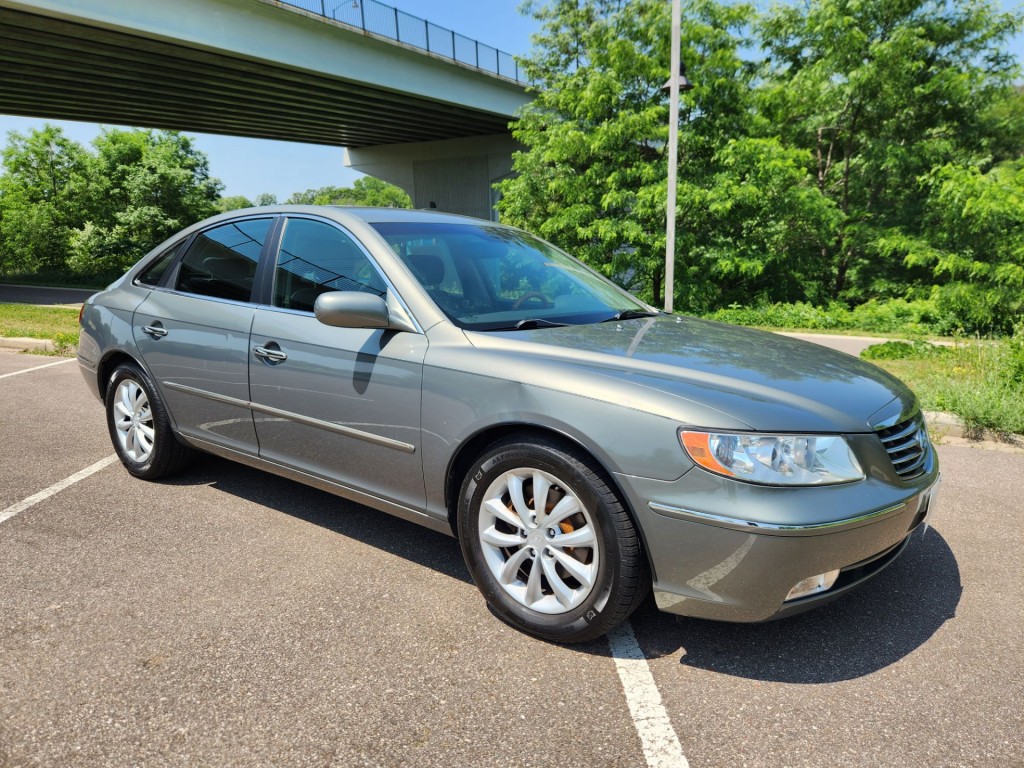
x=201, y=297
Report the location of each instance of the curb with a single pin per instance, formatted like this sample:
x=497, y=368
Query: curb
x=942, y=424
x=947, y=425
x=23, y=344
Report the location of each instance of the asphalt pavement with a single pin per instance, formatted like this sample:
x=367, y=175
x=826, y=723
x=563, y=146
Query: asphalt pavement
x=851, y=345
x=231, y=618
x=42, y=295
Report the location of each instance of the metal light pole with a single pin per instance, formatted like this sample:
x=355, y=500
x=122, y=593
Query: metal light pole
x=674, y=85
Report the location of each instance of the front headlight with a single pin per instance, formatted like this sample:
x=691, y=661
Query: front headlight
x=774, y=459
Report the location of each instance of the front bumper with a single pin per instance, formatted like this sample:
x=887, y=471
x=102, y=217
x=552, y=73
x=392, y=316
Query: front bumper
x=731, y=551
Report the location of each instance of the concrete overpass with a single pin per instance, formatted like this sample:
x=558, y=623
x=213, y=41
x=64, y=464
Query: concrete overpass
x=266, y=69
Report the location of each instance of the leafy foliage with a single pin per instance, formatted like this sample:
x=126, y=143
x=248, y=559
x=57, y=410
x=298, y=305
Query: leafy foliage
x=41, y=199
x=901, y=350
x=145, y=186
x=881, y=92
x=365, y=191
x=233, y=203
x=831, y=151
x=67, y=210
x=975, y=243
x=94, y=213
x=917, y=317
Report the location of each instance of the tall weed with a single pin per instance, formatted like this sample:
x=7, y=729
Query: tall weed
x=979, y=380
x=896, y=316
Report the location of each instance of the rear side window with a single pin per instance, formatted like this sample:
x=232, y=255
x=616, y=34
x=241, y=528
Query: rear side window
x=316, y=258
x=221, y=262
x=154, y=273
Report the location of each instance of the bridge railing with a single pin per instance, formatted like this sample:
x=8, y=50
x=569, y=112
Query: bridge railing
x=389, y=22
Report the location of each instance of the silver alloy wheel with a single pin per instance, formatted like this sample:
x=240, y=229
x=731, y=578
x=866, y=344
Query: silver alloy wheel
x=539, y=541
x=133, y=418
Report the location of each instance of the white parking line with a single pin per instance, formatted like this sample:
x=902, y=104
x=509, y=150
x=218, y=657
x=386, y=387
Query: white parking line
x=38, y=368
x=57, y=487
x=661, y=745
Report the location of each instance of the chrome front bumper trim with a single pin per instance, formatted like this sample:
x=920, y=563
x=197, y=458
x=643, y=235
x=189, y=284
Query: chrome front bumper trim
x=750, y=526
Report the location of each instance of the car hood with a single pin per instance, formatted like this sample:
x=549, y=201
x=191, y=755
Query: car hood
x=707, y=374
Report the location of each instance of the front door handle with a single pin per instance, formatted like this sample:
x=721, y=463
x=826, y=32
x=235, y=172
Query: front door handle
x=156, y=330
x=270, y=354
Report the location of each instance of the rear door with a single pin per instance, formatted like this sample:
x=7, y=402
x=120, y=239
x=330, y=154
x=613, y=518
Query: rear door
x=340, y=403
x=194, y=334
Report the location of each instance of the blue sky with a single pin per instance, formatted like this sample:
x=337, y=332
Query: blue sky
x=251, y=166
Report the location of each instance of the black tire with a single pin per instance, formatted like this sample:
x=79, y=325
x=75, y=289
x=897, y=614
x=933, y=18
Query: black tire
x=166, y=455
x=620, y=576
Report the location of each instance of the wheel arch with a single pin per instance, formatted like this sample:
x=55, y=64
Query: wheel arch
x=107, y=366
x=471, y=449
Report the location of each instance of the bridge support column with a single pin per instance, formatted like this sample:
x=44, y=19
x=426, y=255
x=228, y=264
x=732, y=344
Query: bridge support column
x=453, y=175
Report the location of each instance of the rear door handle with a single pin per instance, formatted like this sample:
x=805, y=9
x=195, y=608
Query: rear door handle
x=270, y=354
x=156, y=330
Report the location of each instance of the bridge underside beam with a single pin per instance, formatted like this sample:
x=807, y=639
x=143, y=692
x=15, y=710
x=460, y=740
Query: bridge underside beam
x=61, y=69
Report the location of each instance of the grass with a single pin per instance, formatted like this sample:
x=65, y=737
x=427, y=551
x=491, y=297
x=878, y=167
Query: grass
x=56, y=324
x=981, y=381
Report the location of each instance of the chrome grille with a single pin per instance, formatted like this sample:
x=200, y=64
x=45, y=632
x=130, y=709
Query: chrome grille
x=907, y=446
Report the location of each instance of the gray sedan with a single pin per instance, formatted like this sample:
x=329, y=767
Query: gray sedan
x=465, y=375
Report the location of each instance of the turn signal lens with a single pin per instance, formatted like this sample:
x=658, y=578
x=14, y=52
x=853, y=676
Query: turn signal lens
x=774, y=459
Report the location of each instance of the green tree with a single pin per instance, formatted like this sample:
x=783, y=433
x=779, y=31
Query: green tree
x=364, y=191
x=42, y=199
x=593, y=176
x=319, y=196
x=146, y=185
x=233, y=203
x=880, y=92
x=973, y=242
x=265, y=198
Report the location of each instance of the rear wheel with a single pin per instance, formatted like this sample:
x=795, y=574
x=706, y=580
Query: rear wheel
x=139, y=427
x=548, y=543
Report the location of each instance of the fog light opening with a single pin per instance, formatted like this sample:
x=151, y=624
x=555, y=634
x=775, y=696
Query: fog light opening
x=813, y=585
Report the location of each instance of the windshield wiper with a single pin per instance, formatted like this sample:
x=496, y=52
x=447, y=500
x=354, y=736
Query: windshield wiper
x=630, y=314
x=527, y=324
x=536, y=322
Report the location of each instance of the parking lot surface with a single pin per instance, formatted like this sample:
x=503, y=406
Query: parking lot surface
x=228, y=617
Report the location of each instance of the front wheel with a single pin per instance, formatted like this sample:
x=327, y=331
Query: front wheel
x=548, y=543
x=139, y=427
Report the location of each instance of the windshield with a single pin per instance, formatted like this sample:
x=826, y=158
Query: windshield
x=487, y=278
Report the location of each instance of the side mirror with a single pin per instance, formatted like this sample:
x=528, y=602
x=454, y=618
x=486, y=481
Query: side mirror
x=351, y=309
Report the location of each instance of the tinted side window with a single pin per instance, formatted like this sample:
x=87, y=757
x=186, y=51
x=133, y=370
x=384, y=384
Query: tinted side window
x=152, y=275
x=222, y=261
x=316, y=258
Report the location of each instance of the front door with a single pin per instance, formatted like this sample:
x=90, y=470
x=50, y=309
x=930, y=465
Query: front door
x=340, y=403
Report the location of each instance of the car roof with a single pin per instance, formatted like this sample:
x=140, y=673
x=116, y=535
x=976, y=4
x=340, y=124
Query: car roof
x=365, y=214
x=371, y=215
